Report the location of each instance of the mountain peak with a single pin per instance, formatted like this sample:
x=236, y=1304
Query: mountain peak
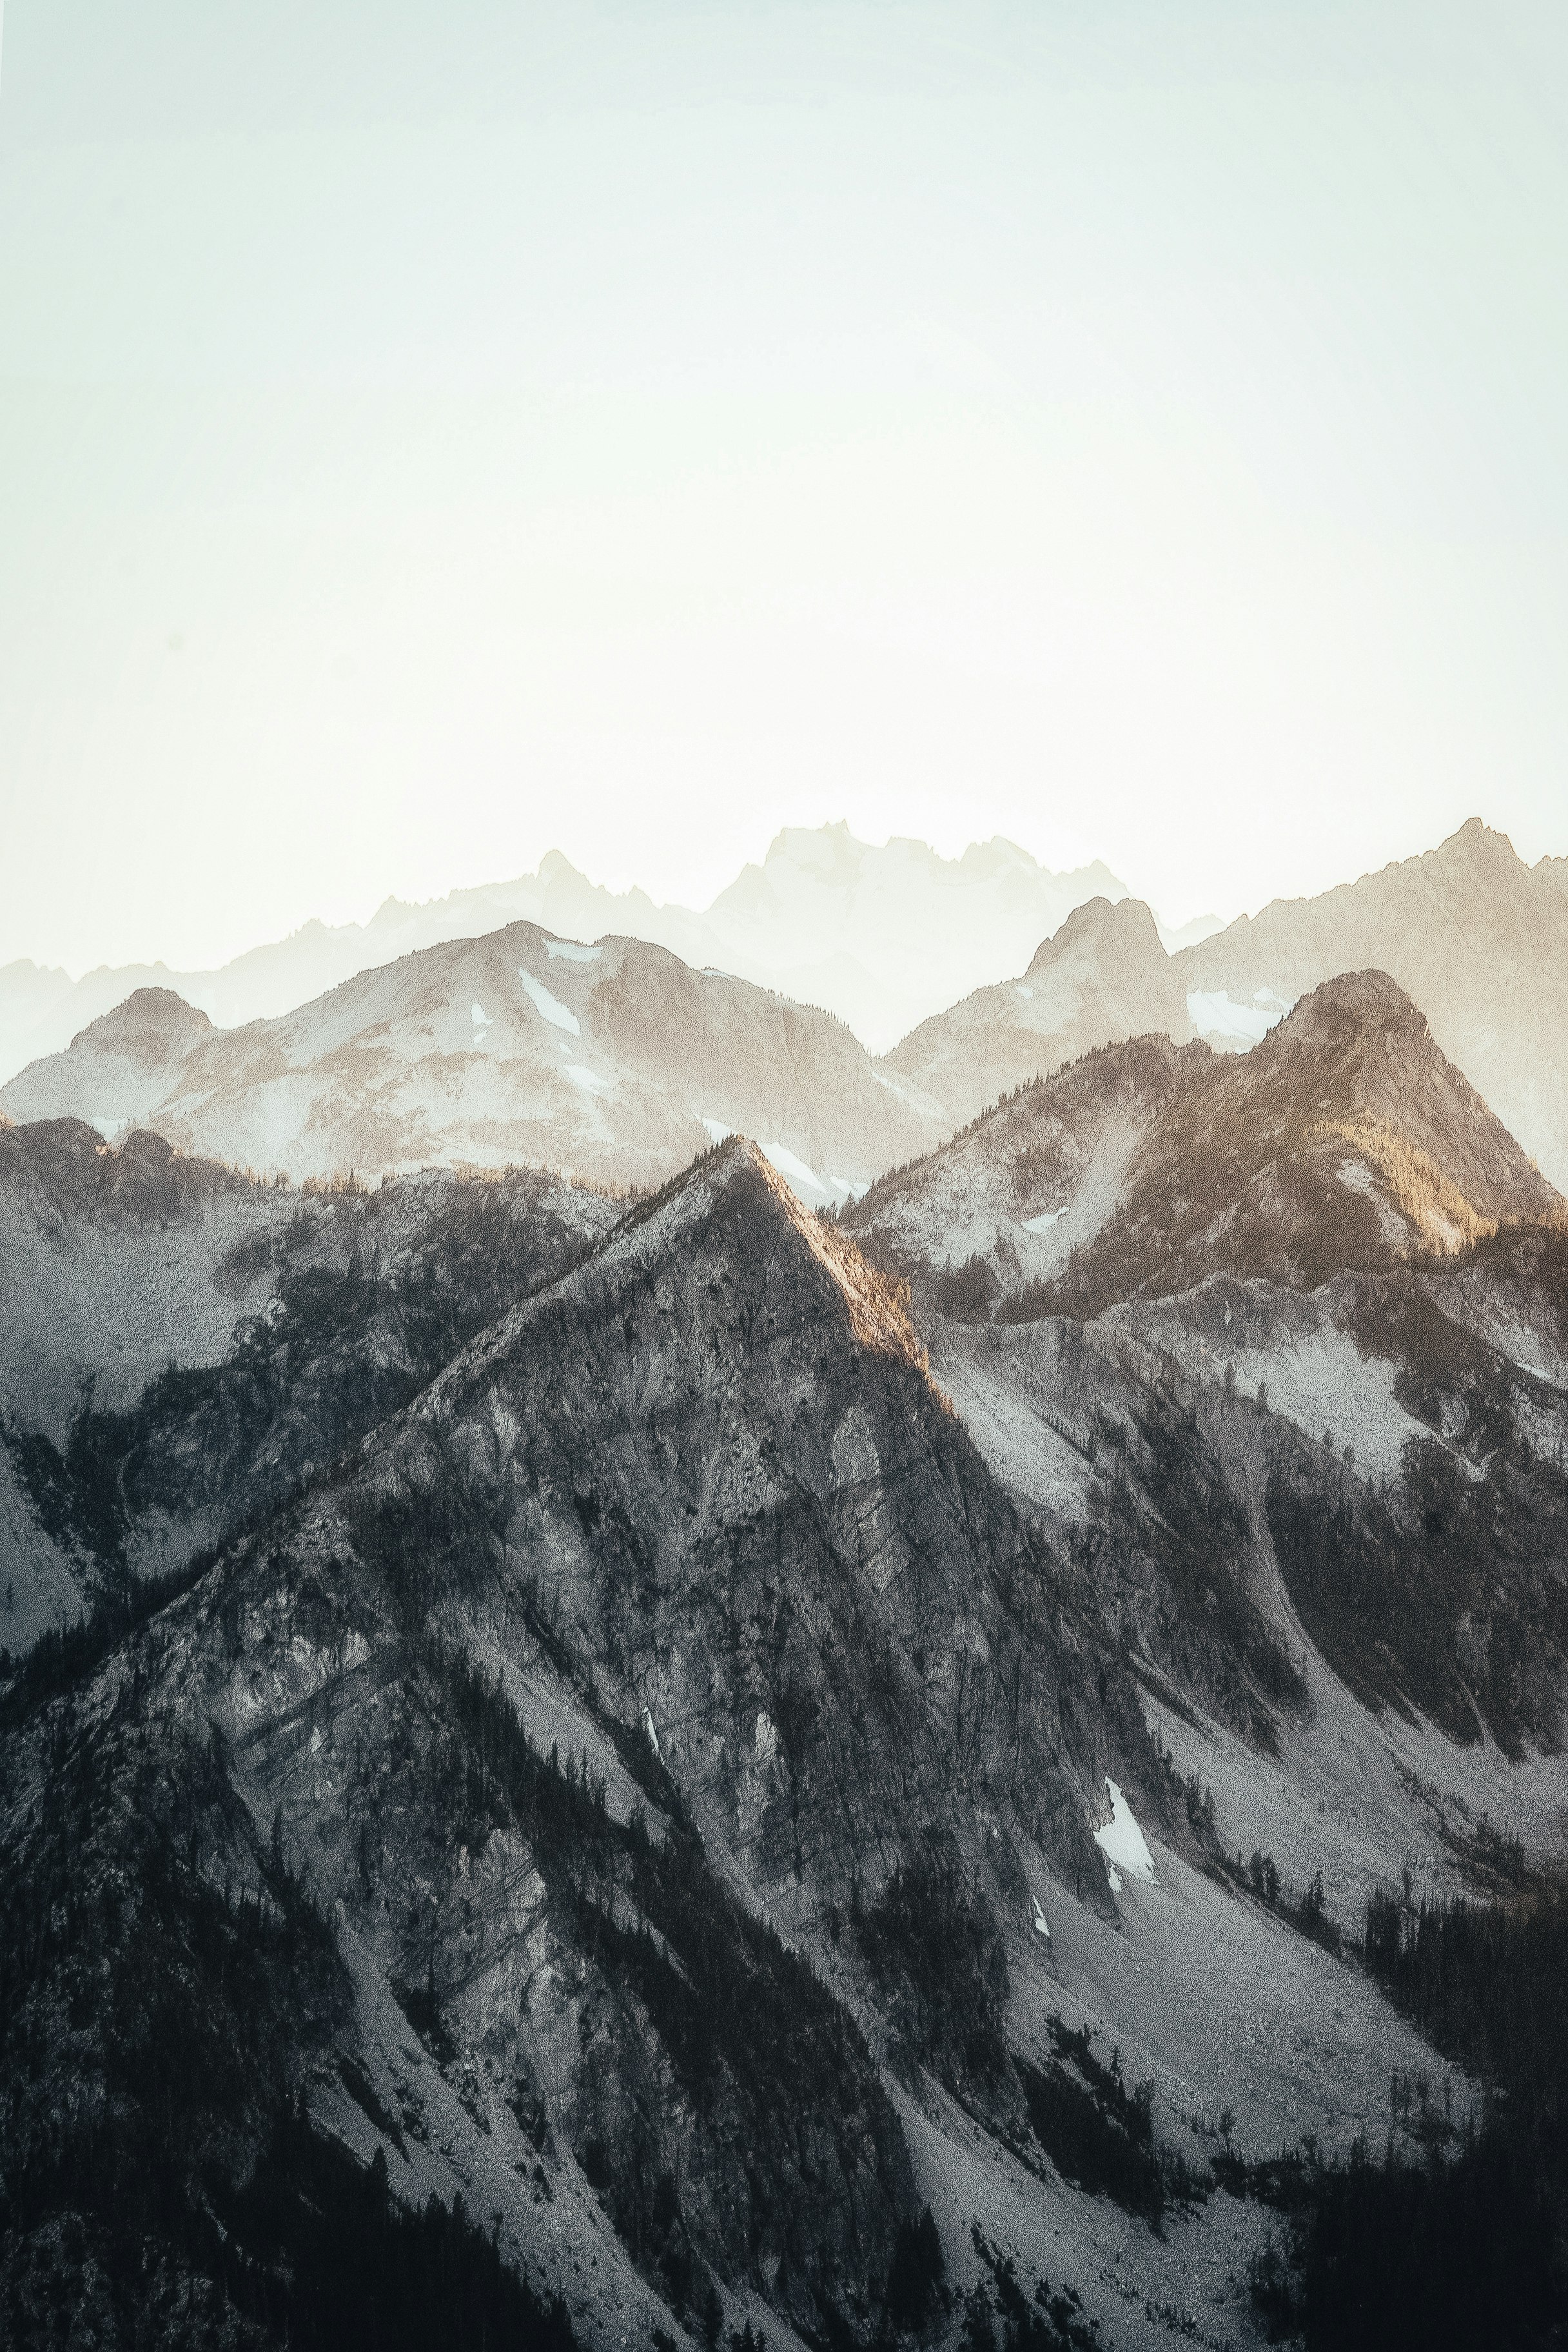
x=1475, y=841
x=150, y=1020
x=1358, y=1000
x=1095, y=924
x=737, y=1174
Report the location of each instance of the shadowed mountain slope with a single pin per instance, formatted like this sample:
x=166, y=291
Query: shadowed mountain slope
x=179, y=1345
x=695, y=1515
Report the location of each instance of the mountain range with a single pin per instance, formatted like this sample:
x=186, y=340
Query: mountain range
x=616, y=1061
x=843, y=1713
x=879, y=936
x=610, y=1058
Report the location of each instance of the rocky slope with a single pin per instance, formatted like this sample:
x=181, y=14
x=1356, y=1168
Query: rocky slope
x=616, y=1061
x=181, y=1345
x=1103, y=976
x=1345, y=1140
x=678, y=1603
x=1013, y=1194
x=652, y=1754
x=1280, y=1344
x=1475, y=936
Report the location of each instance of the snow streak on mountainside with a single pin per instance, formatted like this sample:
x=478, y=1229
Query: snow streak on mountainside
x=881, y=937
x=616, y=1061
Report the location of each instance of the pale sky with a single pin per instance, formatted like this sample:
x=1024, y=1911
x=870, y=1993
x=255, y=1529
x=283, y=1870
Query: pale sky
x=431, y=435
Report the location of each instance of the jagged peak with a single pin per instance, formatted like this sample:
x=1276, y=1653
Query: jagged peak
x=1475, y=841
x=737, y=1174
x=1099, y=920
x=879, y=1308
x=146, y=1016
x=1354, y=1000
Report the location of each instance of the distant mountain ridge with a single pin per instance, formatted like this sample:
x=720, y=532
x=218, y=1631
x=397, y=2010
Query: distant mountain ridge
x=616, y=1061
x=881, y=936
x=1475, y=936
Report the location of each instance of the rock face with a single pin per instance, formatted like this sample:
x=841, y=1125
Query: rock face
x=678, y=1604
x=1475, y=936
x=616, y=1061
x=179, y=1345
x=1102, y=977
x=702, y=1729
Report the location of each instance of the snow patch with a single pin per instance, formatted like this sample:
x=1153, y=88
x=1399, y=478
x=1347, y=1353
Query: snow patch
x=1122, y=1842
x=717, y=1130
x=794, y=1172
x=1044, y=1221
x=1019, y=990
x=560, y=1015
x=569, y=951
x=1041, y=1928
x=589, y=1080
x=477, y=1015
x=1213, y=1014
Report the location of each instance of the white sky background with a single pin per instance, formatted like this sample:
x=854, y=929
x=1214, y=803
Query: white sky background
x=1139, y=430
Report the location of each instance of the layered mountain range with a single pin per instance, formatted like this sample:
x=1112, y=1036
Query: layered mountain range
x=881, y=937
x=1474, y=936
x=785, y=1726
x=616, y=1061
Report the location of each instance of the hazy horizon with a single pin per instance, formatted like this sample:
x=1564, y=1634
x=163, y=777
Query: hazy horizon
x=491, y=881
x=429, y=443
